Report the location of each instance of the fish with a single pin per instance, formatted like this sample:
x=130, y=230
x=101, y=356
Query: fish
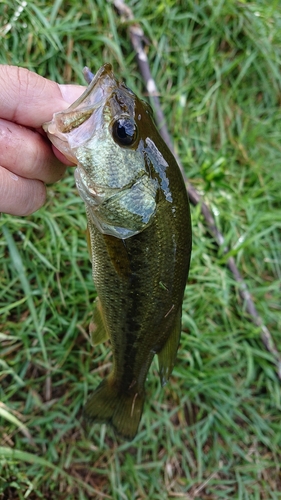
x=139, y=236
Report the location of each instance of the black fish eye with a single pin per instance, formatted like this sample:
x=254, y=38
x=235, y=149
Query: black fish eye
x=124, y=132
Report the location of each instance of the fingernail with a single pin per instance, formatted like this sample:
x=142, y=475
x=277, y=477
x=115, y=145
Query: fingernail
x=71, y=92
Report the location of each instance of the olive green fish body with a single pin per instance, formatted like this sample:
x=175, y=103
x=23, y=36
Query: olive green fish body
x=140, y=239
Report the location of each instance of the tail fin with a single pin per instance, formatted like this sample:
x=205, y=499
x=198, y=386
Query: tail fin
x=123, y=411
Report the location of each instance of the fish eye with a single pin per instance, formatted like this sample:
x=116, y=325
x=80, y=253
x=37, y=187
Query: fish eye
x=124, y=132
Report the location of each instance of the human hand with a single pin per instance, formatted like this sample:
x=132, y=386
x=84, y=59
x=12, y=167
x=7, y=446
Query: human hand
x=27, y=159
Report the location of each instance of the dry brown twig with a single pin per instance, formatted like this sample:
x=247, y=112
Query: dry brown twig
x=137, y=38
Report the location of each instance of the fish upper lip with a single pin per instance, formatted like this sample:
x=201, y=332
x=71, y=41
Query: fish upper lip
x=92, y=99
x=104, y=75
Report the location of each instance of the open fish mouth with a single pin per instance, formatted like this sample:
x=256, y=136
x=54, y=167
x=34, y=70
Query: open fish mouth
x=65, y=130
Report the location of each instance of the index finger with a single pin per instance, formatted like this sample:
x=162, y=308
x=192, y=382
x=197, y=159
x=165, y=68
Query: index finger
x=30, y=99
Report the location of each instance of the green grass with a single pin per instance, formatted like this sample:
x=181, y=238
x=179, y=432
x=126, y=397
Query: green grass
x=214, y=431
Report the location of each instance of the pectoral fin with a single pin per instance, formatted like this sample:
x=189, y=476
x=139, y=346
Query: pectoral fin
x=118, y=255
x=98, y=330
x=167, y=356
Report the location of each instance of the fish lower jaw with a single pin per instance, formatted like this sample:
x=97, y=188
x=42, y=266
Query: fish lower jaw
x=90, y=195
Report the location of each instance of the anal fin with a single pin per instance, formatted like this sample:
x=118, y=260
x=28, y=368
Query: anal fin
x=168, y=353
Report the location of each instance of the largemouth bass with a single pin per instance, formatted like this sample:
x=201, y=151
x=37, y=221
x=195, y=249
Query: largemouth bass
x=139, y=235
